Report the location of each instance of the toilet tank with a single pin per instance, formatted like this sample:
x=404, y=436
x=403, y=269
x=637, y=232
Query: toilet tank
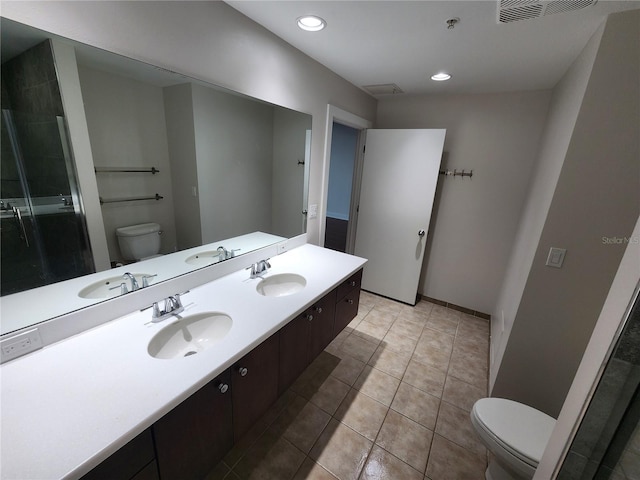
x=139, y=241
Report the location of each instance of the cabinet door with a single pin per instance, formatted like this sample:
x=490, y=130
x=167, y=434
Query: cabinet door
x=128, y=461
x=194, y=436
x=255, y=385
x=294, y=350
x=346, y=310
x=321, y=327
x=150, y=472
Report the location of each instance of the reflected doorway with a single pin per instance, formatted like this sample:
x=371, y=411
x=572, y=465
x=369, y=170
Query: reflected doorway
x=341, y=208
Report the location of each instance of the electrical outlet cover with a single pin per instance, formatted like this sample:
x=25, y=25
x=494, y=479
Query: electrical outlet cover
x=19, y=345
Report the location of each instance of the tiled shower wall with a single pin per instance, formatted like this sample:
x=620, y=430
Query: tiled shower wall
x=33, y=95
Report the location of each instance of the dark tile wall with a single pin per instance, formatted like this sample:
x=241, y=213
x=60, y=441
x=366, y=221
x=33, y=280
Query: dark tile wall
x=30, y=90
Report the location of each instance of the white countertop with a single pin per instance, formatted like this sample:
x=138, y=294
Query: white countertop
x=69, y=406
x=50, y=301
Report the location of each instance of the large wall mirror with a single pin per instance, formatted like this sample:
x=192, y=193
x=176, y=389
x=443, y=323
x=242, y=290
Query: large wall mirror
x=211, y=167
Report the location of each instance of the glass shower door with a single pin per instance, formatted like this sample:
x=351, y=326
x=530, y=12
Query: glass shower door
x=43, y=232
x=607, y=443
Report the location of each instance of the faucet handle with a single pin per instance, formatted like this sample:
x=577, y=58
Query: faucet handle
x=122, y=287
x=253, y=268
x=145, y=280
x=177, y=302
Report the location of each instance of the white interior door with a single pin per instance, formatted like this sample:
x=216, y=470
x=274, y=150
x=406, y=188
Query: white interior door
x=399, y=179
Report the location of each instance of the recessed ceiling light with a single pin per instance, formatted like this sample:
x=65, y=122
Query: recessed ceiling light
x=311, y=23
x=440, y=77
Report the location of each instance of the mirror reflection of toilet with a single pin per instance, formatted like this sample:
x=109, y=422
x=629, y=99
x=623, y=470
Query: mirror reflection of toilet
x=139, y=242
x=514, y=433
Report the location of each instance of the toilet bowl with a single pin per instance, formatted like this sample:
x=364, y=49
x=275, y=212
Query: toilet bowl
x=514, y=433
x=139, y=242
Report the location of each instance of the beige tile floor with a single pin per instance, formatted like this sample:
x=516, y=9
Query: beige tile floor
x=388, y=399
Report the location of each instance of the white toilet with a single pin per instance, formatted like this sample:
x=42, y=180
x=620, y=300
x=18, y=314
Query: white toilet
x=514, y=433
x=139, y=242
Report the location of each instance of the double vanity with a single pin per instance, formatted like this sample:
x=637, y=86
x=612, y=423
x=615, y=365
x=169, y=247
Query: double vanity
x=138, y=397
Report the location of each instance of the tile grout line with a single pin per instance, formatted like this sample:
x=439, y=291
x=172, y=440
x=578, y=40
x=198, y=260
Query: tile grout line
x=441, y=396
x=396, y=316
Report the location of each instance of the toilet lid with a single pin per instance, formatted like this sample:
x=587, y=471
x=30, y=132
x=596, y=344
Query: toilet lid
x=520, y=429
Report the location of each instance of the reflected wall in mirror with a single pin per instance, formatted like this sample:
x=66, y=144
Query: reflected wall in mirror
x=226, y=164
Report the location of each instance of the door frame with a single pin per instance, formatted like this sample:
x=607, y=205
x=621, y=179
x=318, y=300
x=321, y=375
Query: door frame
x=337, y=115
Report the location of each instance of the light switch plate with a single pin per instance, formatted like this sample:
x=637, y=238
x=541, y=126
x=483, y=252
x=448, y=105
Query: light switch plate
x=313, y=211
x=556, y=257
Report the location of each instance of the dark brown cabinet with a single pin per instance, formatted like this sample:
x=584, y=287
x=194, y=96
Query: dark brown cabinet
x=304, y=338
x=254, y=379
x=294, y=350
x=321, y=327
x=194, y=436
x=347, y=302
x=135, y=461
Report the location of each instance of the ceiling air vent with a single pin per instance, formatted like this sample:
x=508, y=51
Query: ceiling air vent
x=515, y=10
x=383, y=89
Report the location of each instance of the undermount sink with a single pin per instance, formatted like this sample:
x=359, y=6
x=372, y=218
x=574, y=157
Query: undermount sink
x=190, y=335
x=105, y=288
x=281, y=285
x=201, y=259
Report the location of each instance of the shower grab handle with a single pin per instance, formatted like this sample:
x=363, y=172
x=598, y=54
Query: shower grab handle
x=23, y=231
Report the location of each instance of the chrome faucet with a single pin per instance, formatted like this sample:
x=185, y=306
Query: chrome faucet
x=172, y=306
x=259, y=268
x=225, y=254
x=134, y=282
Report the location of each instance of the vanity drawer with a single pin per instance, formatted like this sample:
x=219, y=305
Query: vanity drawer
x=354, y=281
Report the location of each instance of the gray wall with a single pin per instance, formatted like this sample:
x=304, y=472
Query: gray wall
x=565, y=106
x=126, y=123
x=475, y=220
x=234, y=150
x=596, y=197
x=181, y=138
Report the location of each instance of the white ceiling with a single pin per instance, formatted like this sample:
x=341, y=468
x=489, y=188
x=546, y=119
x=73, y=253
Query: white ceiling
x=405, y=42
